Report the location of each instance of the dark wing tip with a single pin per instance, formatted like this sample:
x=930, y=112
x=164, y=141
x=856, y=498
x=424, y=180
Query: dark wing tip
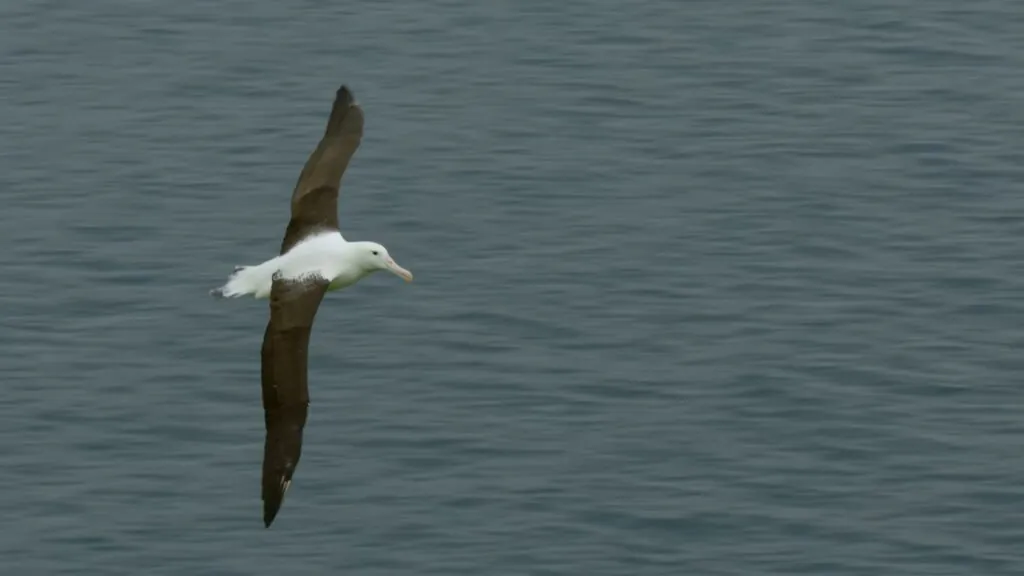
x=345, y=96
x=271, y=505
x=346, y=115
x=268, y=516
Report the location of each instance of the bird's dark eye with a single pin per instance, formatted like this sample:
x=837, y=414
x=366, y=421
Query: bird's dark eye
x=374, y=252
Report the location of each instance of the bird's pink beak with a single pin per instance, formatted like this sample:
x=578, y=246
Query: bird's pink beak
x=398, y=270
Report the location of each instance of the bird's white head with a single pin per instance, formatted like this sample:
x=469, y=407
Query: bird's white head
x=375, y=257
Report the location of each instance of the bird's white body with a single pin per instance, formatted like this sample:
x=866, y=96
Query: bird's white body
x=328, y=256
x=324, y=256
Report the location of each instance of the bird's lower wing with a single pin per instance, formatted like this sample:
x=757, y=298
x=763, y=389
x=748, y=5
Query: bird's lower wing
x=293, y=306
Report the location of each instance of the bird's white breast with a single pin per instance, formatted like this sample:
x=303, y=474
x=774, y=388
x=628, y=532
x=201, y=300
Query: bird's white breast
x=325, y=255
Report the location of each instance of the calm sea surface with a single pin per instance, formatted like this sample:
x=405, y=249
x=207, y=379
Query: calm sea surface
x=702, y=288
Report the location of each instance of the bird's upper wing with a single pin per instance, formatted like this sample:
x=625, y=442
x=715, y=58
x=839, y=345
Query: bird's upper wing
x=293, y=306
x=315, y=198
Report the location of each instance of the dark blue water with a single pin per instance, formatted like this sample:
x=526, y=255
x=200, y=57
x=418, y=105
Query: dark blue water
x=701, y=288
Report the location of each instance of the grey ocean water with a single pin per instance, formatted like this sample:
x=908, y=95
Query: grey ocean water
x=701, y=287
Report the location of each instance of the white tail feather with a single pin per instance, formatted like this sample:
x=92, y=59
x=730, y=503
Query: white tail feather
x=245, y=280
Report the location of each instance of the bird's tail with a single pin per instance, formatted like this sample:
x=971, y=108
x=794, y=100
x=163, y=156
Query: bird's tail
x=244, y=280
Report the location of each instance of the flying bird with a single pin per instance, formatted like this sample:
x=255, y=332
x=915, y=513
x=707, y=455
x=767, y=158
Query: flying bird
x=313, y=260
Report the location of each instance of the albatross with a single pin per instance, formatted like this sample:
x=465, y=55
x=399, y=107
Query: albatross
x=313, y=260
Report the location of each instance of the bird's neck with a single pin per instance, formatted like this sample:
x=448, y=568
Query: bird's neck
x=352, y=256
